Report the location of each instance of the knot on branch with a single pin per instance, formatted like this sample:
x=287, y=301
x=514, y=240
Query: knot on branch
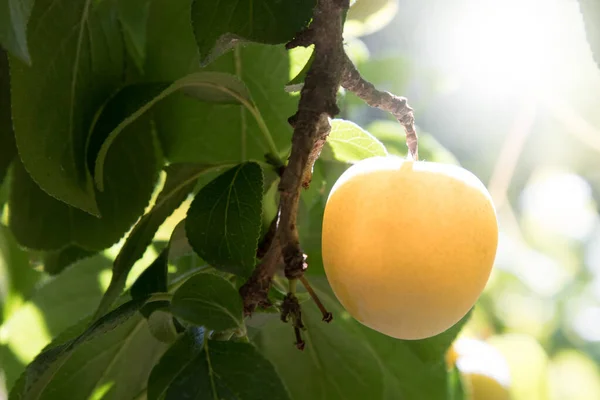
x=304, y=38
x=295, y=261
x=255, y=294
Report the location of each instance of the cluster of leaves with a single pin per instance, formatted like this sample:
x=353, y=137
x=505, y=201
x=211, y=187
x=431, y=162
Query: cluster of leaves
x=96, y=99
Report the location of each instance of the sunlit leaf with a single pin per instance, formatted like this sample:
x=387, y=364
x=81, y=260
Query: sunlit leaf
x=101, y=355
x=52, y=308
x=351, y=143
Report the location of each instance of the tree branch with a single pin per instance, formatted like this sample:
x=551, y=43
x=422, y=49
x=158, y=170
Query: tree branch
x=396, y=105
x=311, y=126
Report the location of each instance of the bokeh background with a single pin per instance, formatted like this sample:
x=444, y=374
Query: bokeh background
x=509, y=90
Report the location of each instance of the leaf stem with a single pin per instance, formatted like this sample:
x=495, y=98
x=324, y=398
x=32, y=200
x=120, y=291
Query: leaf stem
x=160, y=297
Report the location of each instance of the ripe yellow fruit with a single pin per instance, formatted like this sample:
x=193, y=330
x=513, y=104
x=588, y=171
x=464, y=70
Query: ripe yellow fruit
x=408, y=246
x=483, y=387
x=485, y=372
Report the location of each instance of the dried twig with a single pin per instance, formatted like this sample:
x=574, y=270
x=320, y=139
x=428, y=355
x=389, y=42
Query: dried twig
x=396, y=105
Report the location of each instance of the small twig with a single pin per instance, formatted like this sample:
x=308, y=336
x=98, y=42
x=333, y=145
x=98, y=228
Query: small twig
x=396, y=105
x=327, y=316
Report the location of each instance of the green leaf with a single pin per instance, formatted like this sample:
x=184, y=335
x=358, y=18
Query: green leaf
x=17, y=278
x=8, y=147
x=218, y=26
x=133, y=15
x=41, y=372
x=191, y=131
x=41, y=222
x=297, y=82
x=351, y=143
x=55, y=305
x=77, y=62
x=345, y=359
x=162, y=326
x=180, y=181
x=152, y=280
x=210, y=301
x=456, y=390
x=14, y=16
x=224, y=220
x=133, y=101
x=195, y=367
x=99, y=359
x=56, y=261
x=590, y=10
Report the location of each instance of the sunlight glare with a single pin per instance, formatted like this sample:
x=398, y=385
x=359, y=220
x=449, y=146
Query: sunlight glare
x=513, y=44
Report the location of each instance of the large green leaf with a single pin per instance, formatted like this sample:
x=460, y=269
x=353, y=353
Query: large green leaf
x=97, y=360
x=180, y=181
x=41, y=222
x=198, y=368
x=52, y=308
x=348, y=360
x=8, y=148
x=590, y=9
x=56, y=261
x=133, y=15
x=351, y=143
x=210, y=301
x=14, y=16
x=77, y=62
x=17, y=277
x=223, y=223
x=208, y=133
x=133, y=101
x=218, y=26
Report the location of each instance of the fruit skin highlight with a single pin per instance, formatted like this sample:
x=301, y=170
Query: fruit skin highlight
x=408, y=246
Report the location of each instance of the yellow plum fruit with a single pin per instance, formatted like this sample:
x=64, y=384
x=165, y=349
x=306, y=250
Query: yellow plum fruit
x=408, y=246
x=485, y=372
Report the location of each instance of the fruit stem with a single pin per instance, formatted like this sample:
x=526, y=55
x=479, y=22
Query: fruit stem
x=327, y=316
x=293, y=283
x=299, y=342
x=395, y=105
